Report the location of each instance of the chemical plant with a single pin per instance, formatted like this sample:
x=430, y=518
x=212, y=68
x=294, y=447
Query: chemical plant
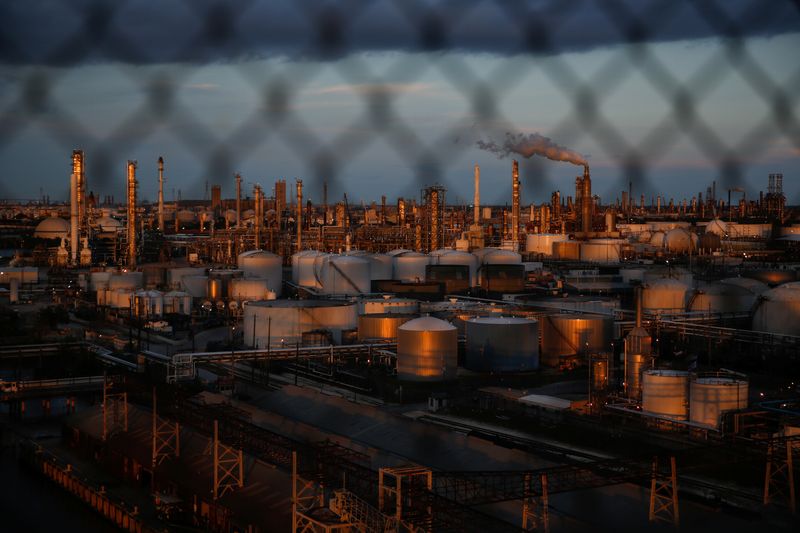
x=265, y=363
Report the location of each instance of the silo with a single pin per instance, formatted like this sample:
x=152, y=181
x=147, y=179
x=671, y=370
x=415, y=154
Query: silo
x=409, y=266
x=566, y=335
x=665, y=295
x=381, y=326
x=303, y=268
x=601, y=250
x=567, y=250
x=712, y=394
x=542, y=243
x=500, y=344
x=249, y=289
x=427, y=350
x=262, y=265
x=285, y=321
x=343, y=274
x=778, y=310
x=666, y=393
x=380, y=266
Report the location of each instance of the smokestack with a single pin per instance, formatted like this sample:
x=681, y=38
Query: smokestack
x=258, y=218
x=73, y=216
x=477, y=199
x=161, y=195
x=131, y=213
x=299, y=221
x=238, y=200
x=515, y=202
x=78, y=168
x=639, y=306
x=586, y=202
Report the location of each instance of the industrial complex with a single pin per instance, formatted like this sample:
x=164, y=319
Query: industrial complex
x=264, y=363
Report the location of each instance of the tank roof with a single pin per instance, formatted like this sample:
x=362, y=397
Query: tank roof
x=300, y=303
x=501, y=320
x=427, y=323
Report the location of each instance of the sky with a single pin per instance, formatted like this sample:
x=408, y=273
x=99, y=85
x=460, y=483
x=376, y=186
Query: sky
x=386, y=97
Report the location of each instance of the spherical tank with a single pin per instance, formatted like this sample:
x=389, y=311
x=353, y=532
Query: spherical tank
x=566, y=334
x=778, y=310
x=409, y=266
x=262, y=265
x=343, y=274
x=126, y=280
x=497, y=344
x=52, y=228
x=657, y=239
x=454, y=257
x=722, y=298
x=108, y=225
x=666, y=393
x=717, y=227
x=678, y=241
x=427, y=350
x=381, y=326
x=303, y=268
x=601, y=250
x=249, y=289
x=285, y=321
x=196, y=286
x=709, y=397
x=542, y=243
x=389, y=305
x=665, y=295
x=380, y=266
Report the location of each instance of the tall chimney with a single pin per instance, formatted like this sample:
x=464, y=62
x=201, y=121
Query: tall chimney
x=131, y=213
x=477, y=199
x=515, y=202
x=78, y=168
x=161, y=195
x=73, y=216
x=586, y=202
x=639, y=306
x=299, y=221
x=238, y=200
x=258, y=218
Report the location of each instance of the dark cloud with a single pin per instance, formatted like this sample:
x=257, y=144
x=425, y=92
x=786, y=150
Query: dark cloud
x=55, y=32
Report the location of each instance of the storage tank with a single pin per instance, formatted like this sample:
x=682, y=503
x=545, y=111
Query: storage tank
x=99, y=280
x=666, y=393
x=712, y=395
x=567, y=335
x=343, y=274
x=778, y=310
x=304, y=271
x=381, y=326
x=148, y=304
x=665, y=295
x=262, y=265
x=601, y=250
x=409, y=266
x=249, y=289
x=196, y=286
x=657, y=239
x=177, y=302
x=175, y=275
x=285, y=321
x=773, y=277
x=678, y=241
x=388, y=305
x=52, y=228
x=126, y=280
x=427, y=350
x=722, y=298
x=717, y=227
x=496, y=256
x=567, y=250
x=542, y=243
x=380, y=266
x=502, y=344
x=753, y=285
x=457, y=258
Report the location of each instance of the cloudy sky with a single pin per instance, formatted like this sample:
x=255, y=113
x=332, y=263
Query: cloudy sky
x=387, y=96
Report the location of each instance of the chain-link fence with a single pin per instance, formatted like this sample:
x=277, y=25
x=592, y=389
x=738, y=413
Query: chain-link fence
x=491, y=62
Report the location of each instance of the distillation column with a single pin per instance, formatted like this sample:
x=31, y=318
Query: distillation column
x=434, y=214
x=79, y=169
x=131, y=213
x=515, y=203
x=73, y=217
x=257, y=214
x=477, y=198
x=238, y=200
x=586, y=202
x=161, y=195
x=299, y=221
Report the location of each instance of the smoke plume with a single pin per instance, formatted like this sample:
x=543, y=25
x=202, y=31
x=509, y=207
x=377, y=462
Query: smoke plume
x=533, y=144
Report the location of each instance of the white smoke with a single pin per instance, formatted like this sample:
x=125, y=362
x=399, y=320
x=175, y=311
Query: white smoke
x=533, y=144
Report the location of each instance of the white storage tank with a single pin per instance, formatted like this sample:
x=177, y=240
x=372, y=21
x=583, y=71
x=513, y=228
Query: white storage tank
x=666, y=393
x=380, y=266
x=126, y=280
x=196, y=286
x=601, y=250
x=262, y=265
x=343, y=274
x=409, y=266
x=496, y=256
x=657, y=239
x=388, y=305
x=99, y=280
x=304, y=272
x=542, y=243
x=249, y=289
x=722, y=298
x=148, y=304
x=778, y=310
x=502, y=344
x=175, y=275
x=177, y=302
x=454, y=257
x=427, y=350
x=712, y=395
x=665, y=295
x=285, y=321
x=52, y=228
x=679, y=241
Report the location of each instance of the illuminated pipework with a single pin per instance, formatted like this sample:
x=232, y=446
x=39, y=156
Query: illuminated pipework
x=515, y=202
x=131, y=213
x=434, y=207
x=78, y=168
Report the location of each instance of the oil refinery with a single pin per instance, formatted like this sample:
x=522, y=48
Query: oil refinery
x=265, y=363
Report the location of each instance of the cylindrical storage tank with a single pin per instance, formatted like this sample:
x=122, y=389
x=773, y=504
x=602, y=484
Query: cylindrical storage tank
x=249, y=289
x=285, y=321
x=304, y=271
x=409, y=266
x=666, y=393
x=454, y=257
x=215, y=289
x=778, y=310
x=148, y=304
x=381, y=326
x=773, y=277
x=196, y=286
x=175, y=275
x=665, y=295
x=262, y=265
x=710, y=396
x=427, y=350
x=567, y=250
x=389, y=305
x=601, y=250
x=542, y=243
x=493, y=256
x=753, y=285
x=722, y=298
x=678, y=241
x=567, y=335
x=99, y=280
x=126, y=280
x=380, y=266
x=176, y=302
x=499, y=344
x=343, y=274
